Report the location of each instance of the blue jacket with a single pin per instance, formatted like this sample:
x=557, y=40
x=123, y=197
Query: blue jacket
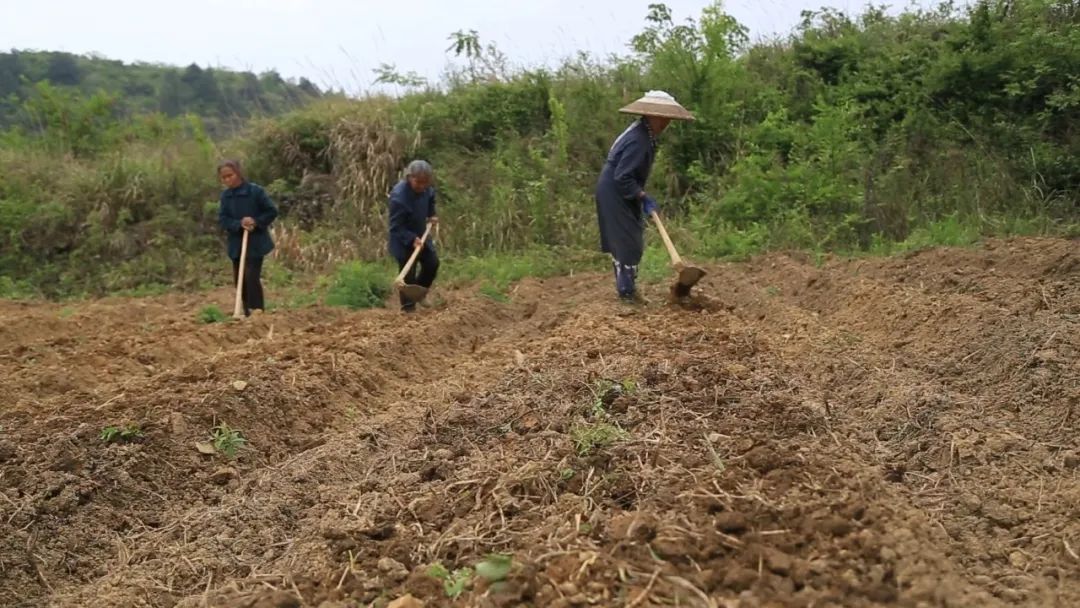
x=619, y=210
x=247, y=200
x=409, y=212
x=629, y=163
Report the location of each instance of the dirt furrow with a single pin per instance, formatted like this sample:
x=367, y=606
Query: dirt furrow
x=859, y=433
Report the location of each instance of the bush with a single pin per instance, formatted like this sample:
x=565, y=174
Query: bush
x=212, y=314
x=358, y=285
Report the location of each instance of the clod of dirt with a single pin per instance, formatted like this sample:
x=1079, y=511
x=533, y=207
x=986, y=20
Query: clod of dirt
x=177, y=423
x=640, y=527
x=528, y=424
x=406, y=601
x=1072, y=460
x=569, y=588
x=1018, y=560
x=1002, y=515
x=732, y=522
x=836, y=526
x=205, y=447
x=971, y=502
x=393, y=569
x=670, y=548
x=740, y=579
x=223, y=475
x=239, y=385
x=278, y=599
x=421, y=584
x=383, y=532
x=431, y=472
x=777, y=561
x=7, y=451
x=67, y=461
x=763, y=459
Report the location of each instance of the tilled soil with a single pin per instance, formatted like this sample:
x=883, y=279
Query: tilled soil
x=879, y=432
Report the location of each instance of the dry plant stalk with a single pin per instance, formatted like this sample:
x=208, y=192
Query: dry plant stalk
x=366, y=154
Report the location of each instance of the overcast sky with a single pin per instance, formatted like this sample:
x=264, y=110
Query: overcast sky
x=339, y=42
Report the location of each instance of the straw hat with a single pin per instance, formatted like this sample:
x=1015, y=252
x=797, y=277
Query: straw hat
x=658, y=103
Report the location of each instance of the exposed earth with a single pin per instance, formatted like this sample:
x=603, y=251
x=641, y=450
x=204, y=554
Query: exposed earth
x=872, y=432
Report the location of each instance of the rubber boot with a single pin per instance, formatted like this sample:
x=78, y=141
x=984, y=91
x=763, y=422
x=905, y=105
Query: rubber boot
x=625, y=276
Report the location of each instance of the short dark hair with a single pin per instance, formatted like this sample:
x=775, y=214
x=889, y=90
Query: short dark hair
x=232, y=164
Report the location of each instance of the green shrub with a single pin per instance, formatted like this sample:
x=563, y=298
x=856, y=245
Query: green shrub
x=212, y=314
x=358, y=285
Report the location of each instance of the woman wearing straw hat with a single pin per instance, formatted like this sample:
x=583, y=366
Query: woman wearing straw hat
x=621, y=202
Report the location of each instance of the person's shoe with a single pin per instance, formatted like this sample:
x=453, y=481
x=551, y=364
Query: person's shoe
x=636, y=298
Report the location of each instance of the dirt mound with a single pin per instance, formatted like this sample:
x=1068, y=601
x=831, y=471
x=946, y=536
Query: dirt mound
x=867, y=432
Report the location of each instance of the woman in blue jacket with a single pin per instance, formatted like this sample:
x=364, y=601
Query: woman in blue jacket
x=621, y=201
x=245, y=206
x=412, y=208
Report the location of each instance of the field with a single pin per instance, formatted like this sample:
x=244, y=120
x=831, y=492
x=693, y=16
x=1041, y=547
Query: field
x=861, y=432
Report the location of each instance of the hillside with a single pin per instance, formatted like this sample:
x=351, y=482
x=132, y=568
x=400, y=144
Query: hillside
x=141, y=88
x=858, y=134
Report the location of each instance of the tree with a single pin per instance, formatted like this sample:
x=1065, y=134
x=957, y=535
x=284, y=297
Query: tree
x=63, y=69
x=171, y=95
x=202, y=88
x=10, y=71
x=309, y=87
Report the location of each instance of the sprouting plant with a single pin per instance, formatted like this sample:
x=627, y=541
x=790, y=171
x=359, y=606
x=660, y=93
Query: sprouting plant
x=605, y=392
x=227, y=440
x=112, y=434
x=454, y=583
x=495, y=567
x=212, y=314
x=494, y=293
x=589, y=437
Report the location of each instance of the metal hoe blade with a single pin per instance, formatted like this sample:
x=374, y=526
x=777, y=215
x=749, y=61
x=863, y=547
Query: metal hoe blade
x=416, y=293
x=688, y=277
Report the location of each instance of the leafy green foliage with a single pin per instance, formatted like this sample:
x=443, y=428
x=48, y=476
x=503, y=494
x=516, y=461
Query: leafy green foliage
x=454, y=583
x=590, y=437
x=495, y=567
x=212, y=314
x=227, y=440
x=358, y=285
x=219, y=95
x=490, y=291
x=116, y=434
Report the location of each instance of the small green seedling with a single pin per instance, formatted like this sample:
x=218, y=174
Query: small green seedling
x=115, y=434
x=495, y=567
x=605, y=392
x=589, y=437
x=212, y=314
x=494, y=293
x=227, y=440
x=454, y=583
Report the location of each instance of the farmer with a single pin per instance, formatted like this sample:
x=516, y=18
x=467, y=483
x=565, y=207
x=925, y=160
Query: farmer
x=245, y=206
x=412, y=207
x=621, y=201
